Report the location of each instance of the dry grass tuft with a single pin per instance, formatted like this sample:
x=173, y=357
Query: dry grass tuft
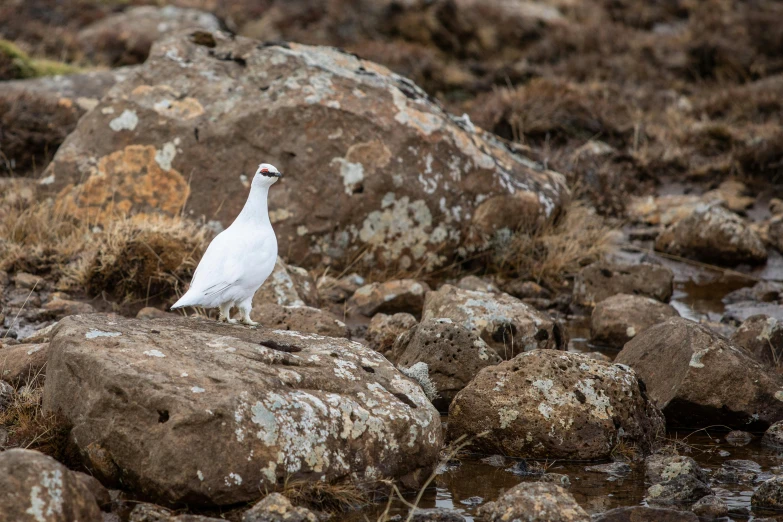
x=323, y=496
x=129, y=259
x=553, y=252
x=29, y=427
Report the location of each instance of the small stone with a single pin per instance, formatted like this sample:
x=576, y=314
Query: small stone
x=740, y=438
x=384, y=330
x=436, y=515
x=769, y=495
x=548, y=501
x=498, y=461
x=683, y=489
x=62, y=307
x=277, y=508
x=661, y=468
x=773, y=437
x=618, y=319
x=556, y=478
x=737, y=472
x=404, y=295
x=710, y=507
x=335, y=290
x=526, y=290
x=28, y=281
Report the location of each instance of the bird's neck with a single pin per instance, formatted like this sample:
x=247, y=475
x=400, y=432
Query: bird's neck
x=256, y=210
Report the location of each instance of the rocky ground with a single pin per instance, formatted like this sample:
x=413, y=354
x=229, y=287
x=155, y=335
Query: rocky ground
x=530, y=256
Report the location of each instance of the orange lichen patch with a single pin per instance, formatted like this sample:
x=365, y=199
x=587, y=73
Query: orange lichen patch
x=124, y=182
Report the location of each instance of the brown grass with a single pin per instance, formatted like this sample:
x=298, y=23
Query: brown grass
x=128, y=259
x=551, y=253
x=335, y=497
x=29, y=427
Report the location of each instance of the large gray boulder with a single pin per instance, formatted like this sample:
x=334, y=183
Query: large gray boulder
x=555, y=405
x=188, y=410
x=699, y=378
x=386, y=177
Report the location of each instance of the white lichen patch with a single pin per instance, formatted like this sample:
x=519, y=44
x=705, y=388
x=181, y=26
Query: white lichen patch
x=197, y=389
x=507, y=416
x=154, y=353
x=125, y=121
x=696, y=358
x=46, y=500
x=166, y=155
x=93, y=333
x=351, y=173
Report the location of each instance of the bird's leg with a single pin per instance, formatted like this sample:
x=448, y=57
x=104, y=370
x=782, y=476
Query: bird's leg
x=225, y=314
x=244, y=310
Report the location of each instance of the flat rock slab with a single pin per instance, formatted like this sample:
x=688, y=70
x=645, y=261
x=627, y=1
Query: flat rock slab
x=184, y=410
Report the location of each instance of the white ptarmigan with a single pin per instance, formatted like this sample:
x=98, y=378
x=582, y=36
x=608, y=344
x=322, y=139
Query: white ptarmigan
x=239, y=259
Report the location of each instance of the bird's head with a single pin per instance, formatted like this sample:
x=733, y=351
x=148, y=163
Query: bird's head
x=266, y=175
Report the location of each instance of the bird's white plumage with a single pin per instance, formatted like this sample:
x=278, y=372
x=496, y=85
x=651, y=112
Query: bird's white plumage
x=239, y=259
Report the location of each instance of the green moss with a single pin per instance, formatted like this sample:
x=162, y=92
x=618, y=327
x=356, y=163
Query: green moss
x=16, y=64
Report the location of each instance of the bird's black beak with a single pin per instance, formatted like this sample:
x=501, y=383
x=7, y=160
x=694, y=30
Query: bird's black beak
x=278, y=174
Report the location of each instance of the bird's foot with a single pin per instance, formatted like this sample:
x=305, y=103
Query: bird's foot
x=226, y=319
x=249, y=322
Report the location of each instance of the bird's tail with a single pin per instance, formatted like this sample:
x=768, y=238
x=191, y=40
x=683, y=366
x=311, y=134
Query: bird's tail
x=185, y=300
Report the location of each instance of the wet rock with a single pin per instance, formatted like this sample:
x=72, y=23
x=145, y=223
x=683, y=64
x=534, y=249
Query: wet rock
x=662, y=468
x=299, y=319
x=618, y=319
x=125, y=38
x=22, y=363
x=543, y=502
x=453, y=354
x=763, y=291
x=740, y=438
x=611, y=468
x=143, y=512
x=769, y=494
x=220, y=412
x=393, y=205
x=710, y=508
x=714, y=235
x=437, y=515
x=698, y=378
x=37, y=488
x=277, y=508
x=37, y=114
x=403, y=295
x=556, y=478
x=150, y=312
x=551, y=404
x=384, y=330
x=773, y=437
x=7, y=393
x=288, y=285
x=599, y=281
x=682, y=489
x=335, y=290
x=738, y=313
x=762, y=338
x=737, y=472
x=505, y=323
x=645, y=514
x=477, y=284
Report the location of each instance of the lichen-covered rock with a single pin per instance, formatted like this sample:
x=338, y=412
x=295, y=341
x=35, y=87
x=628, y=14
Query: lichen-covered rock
x=645, y=514
x=618, y=319
x=662, y=468
x=37, y=488
x=299, y=319
x=506, y=324
x=698, y=378
x=715, y=235
x=288, y=285
x=769, y=495
x=762, y=338
x=682, y=489
x=711, y=507
x=277, y=508
x=738, y=471
x=437, y=515
x=125, y=38
x=384, y=330
x=21, y=363
x=143, y=512
x=602, y=280
x=534, y=502
x=773, y=437
x=552, y=404
x=397, y=295
x=453, y=354
x=386, y=177
x=740, y=438
x=189, y=410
